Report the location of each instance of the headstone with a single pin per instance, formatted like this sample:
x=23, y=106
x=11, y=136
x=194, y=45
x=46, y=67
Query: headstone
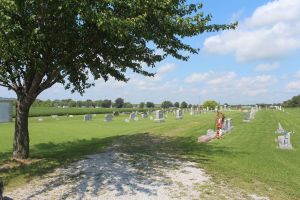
x=108, y=117
x=144, y=115
x=127, y=120
x=88, y=117
x=192, y=111
x=216, y=109
x=253, y=112
x=159, y=116
x=132, y=116
x=246, y=117
x=71, y=116
x=94, y=115
x=40, y=119
x=280, y=129
x=54, y=116
x=227, y=126
x=284, y=141
x=179, y=114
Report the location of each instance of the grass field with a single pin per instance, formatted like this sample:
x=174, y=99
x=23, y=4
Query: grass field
x=246, y=158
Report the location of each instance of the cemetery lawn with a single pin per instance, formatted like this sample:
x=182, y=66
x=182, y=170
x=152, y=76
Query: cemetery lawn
x=247, y=158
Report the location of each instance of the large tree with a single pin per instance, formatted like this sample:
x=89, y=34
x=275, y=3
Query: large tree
x=69, y=42
x=211, y=104
x=119, y=103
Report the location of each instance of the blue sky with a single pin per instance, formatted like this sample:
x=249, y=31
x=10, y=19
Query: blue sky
x=257, y=63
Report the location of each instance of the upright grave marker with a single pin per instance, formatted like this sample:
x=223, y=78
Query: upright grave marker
x=132, y=116
x=159, y=116
x=144, y=115
x=223, y=126
x=108, y=117
x=87, y=117
x=284, y=141
x=179, y=114
x=246, y=117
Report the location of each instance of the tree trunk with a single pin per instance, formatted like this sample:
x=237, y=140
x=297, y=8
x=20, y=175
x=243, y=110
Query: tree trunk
x=21, y=137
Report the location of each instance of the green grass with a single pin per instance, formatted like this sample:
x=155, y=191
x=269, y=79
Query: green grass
x=246, y=158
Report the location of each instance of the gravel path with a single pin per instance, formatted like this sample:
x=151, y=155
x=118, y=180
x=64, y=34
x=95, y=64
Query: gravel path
x=115, y=175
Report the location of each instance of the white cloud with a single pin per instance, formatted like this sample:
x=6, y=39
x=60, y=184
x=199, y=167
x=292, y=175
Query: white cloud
x=255, y=86
x=230, y=84
x=297, y=75
x=197, y=77
x=211, y=78
x=294, y=85
x=272, y=32
x=166, y=68
x=267, y=67
x=222, y=79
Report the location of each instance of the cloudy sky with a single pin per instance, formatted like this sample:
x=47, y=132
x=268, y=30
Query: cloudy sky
x=257, y=63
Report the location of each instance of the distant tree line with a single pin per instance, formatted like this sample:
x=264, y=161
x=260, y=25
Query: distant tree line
x=107, y=103
x=293, y=102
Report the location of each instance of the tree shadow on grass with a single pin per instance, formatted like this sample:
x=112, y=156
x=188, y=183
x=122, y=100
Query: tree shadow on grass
x=140, y=158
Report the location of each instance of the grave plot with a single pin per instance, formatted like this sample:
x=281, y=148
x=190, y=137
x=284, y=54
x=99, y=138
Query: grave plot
x=132, y=116
x=284, y=140
x=223, y=126
x=88, y=117
x=108, y=117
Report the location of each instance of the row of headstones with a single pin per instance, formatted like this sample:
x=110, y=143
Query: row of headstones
x=211, y=134
x=56, y=117
x=279, y=108
x=159, y=116
x=284, y=140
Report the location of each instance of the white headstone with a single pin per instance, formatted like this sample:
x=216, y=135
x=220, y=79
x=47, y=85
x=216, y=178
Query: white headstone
x=179, y=114
x=132, y=116
x=88, y=117
x=284, y=141
x=108, y=118
x=159, y=116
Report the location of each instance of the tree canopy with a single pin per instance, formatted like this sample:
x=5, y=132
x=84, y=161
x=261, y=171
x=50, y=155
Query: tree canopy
x=293, y=102
x=119, y=103
x=166, y=104
x=150, y=104
x=45, y=42
x=211, y=104
x=76, y=42
x=184, y=104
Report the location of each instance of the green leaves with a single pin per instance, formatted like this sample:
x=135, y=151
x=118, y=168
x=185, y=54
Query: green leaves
x=101, y=39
